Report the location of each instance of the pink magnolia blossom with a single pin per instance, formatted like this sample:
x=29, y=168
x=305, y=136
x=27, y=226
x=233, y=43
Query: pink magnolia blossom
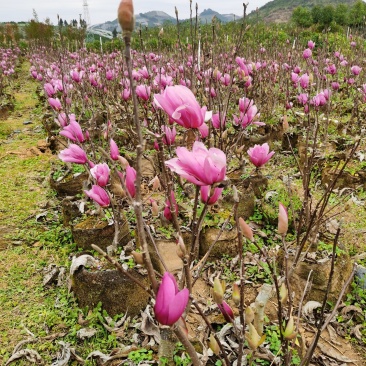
x=100, y=173
x=303, y=98
x=50, y=91
x=335, y=85
x=73, y=154
x=332, y=69
x=143, y=92
x=209, y=195
x=200, y=166
x=259, y=154
x=76, y=75
x=215, y=120
x=356, y=70
x=99, y=195
x=113, y=149
x=73, y=132
x=304, y=81
x=311, y=45
x=170, y=302
x=181, y=106
x=130, y=181
x=307, y=53
x=167, y=209
x=248, y=113
x=169, y=135
x=55, y=103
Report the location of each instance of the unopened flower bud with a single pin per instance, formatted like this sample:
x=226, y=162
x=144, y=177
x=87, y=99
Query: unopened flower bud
x=137, y=257
x=283, y=293
x=214, y=345
x=155, y=183
x=154, y=208
x=181, y=248
x=246, y=229
x=249, y=315
x=290, y=332
x=282, y=220
x=218, y=291
x=253, y=338
x=240, y=149
x=236, y=294
x=126, y=16
x=123, y=161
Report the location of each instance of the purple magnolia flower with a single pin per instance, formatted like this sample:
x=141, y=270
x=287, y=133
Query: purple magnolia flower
x=311, y=44
x=209, y=195
x=248, y=113
x=216, y=121
x=304, y=81
x=167, y=209
x=55, y=103
x=73, y=132
x=169, y=135
x=100, y=173
x=170, y=302
x=50, y=91
x=113, y=148
x=307, y=53
x=143, y=92
x=259, y=154
x=181, y=106
x=99, y=195
x=356, y=70
x=200, y=166
x=73, y=154
x=130, y=181
x=303, y=98
x=226, y=311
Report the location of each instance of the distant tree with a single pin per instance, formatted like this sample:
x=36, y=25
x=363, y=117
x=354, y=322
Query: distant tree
x=65, y=23
x=114, y=32
x=327, y=15
x=341, y=16
x=60, y=22
x=302, y=17
x=357, y=13
x=316, y=13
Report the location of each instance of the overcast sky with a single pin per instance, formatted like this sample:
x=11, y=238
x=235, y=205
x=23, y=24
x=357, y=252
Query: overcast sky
x=104, y=10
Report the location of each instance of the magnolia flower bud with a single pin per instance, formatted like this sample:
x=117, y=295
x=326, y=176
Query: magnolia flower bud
x=218, y=291
x=249, y=315
x=154, y=207
x=236, y=294
x=181, y=248
x=123, y=161
x=283, y=293
x=246, y=229
x=253, y=338
x=290, y=332
x=155, y=183
x=137, y=257
x=126, y=16
x=214, y=345
x=282, y=220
